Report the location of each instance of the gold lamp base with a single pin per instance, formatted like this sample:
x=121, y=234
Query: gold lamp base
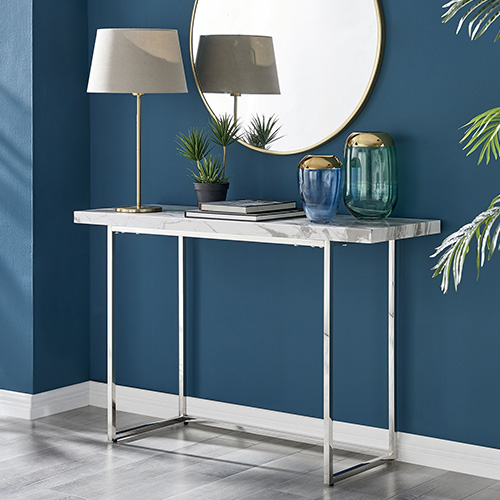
x=139, y=209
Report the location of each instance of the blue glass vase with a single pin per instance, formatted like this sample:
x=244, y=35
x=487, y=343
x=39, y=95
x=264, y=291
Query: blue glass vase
x=320, y=185
x=371, y=186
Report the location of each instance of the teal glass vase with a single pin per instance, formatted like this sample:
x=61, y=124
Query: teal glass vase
x=371, y=186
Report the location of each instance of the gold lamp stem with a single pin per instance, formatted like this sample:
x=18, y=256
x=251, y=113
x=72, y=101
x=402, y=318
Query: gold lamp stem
x=138, y=207
x=138, y=126
x=236, y=95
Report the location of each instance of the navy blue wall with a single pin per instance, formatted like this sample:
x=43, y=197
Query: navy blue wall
x=262, y=345
x=16, y=283
x=44, y=176
x=61, y=181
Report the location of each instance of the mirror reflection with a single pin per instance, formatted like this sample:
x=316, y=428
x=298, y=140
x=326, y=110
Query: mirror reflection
x=298, y=70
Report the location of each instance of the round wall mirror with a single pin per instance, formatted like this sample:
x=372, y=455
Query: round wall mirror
x=294, y=73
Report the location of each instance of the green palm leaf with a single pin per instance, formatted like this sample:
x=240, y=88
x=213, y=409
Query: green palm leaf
x=483, y=130
x=455, y=247
x=483, y=134
x=486, y=12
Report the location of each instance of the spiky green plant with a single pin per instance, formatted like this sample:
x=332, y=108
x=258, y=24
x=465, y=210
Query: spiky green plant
x=224, y=131
x=194, y=145
x=209, y=171
x=262, y=132
x=483, y=131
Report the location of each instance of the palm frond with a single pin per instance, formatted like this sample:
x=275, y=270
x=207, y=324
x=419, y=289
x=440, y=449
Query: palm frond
x=489, y=9
x=486, y=12
x=262, y=132
x=483, y=130
x=455, y=247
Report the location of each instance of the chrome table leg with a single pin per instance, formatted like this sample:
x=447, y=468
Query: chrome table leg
x=113, y=434
x=392, y=445
x=111, y=403
x=327, y=421
x=391, y=349
x=181, y=283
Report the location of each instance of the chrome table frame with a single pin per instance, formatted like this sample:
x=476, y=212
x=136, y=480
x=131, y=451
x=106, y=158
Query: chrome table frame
x=329, y=477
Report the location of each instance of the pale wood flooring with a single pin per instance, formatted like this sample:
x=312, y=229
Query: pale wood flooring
x=66, y=456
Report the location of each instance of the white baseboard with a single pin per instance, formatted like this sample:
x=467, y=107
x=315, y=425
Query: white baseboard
x=15, y=404
x=449, y=455
x=421, y=450
x=31, y=406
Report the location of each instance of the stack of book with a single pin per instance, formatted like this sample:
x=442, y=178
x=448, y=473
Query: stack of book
x=246, y=210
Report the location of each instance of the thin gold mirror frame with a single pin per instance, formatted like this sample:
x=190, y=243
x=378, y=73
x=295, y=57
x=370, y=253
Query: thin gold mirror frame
x=362, y=102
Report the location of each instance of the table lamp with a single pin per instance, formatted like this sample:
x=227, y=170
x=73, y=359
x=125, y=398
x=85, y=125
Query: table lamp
x=237, y=64
x=137, y=62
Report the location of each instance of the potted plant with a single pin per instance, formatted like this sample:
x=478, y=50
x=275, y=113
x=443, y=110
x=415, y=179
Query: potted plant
x=210, y=181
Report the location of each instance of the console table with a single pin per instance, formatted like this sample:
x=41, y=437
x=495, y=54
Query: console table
x=343, y=230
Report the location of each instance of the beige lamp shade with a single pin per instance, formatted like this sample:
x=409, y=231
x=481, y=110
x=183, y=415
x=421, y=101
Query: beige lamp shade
x=131, y=61
x=237, y=64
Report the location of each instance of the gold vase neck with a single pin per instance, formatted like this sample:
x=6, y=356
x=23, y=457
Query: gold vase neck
x=317, y=162
x=369, y=140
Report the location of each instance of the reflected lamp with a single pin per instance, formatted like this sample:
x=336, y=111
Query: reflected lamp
x=236, y=65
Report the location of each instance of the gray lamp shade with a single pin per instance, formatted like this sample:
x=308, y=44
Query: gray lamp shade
x=132, y=61
x=239, y=64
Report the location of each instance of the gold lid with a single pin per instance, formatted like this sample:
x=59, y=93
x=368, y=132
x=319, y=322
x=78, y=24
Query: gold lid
x=369, y=139
x=315, y=162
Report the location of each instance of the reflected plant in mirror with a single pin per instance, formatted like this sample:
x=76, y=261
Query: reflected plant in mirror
x=262, y=132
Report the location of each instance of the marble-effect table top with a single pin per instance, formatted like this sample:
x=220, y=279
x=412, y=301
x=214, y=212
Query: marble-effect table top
x=343, y=229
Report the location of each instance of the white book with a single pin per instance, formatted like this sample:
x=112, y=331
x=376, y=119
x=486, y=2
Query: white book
x=247, y=206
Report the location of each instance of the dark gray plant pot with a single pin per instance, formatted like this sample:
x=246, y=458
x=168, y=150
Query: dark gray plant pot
x=210, y=192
